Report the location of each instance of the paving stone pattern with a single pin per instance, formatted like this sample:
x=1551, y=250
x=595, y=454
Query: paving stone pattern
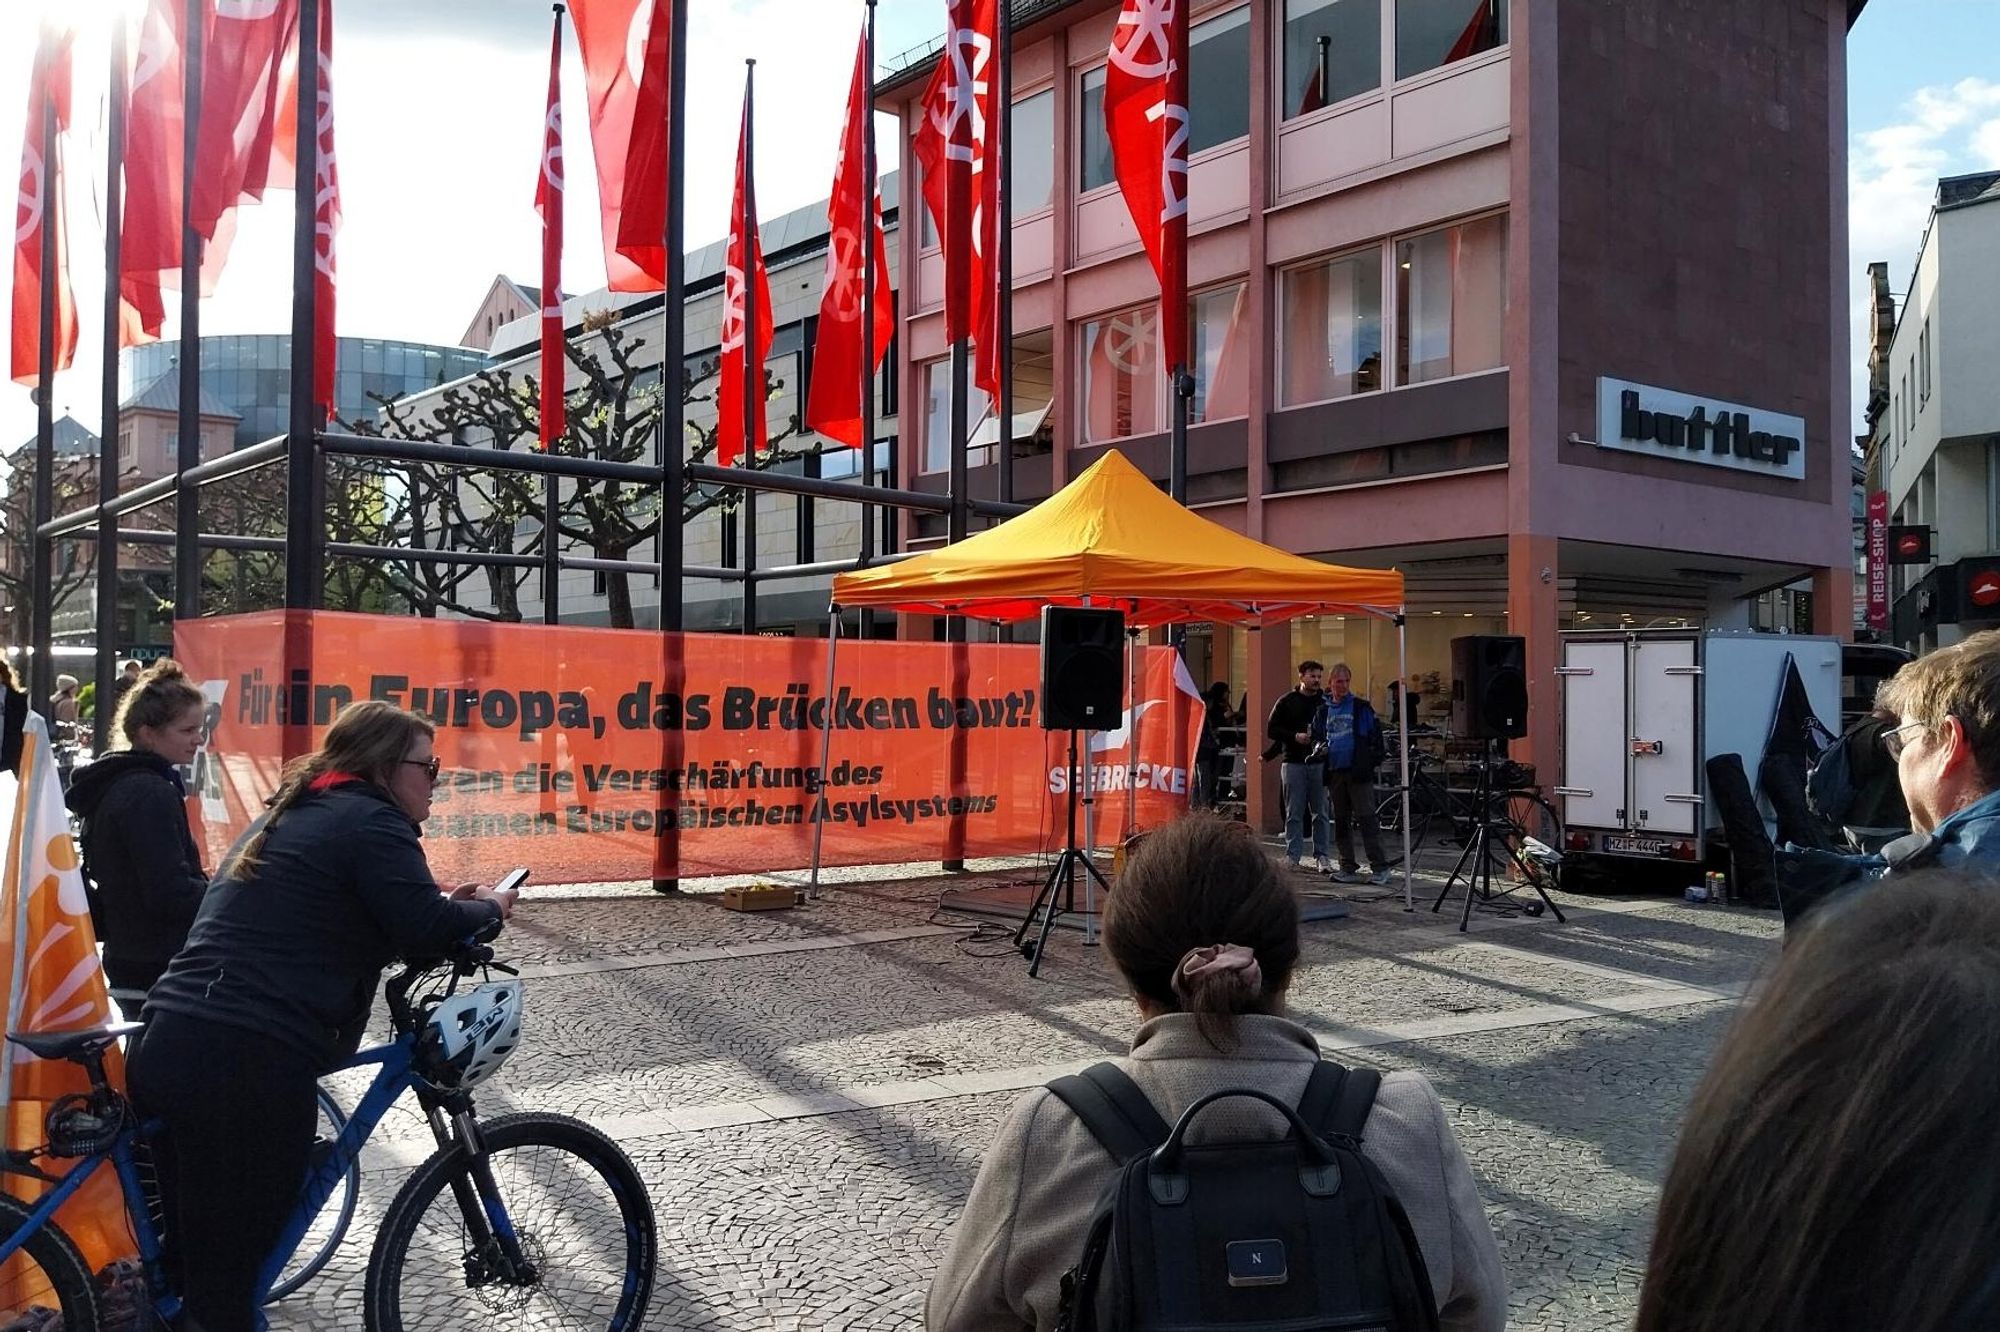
x=1566, y=1056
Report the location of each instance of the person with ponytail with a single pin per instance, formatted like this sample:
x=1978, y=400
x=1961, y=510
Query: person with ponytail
x=140, y=862
x=1205, y=935
x=274, y=988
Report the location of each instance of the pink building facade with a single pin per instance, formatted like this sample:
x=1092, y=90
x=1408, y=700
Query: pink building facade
x=1539, y=301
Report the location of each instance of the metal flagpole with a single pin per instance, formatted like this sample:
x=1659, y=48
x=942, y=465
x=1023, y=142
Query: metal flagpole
x=304, y=522
x=1001, y=163
x=1403, y=729
x=672, y=450
x=753, y=373
x=187, y=498
x=107, y=445
x=41, y=549
x=825, y=742
x=868, y=214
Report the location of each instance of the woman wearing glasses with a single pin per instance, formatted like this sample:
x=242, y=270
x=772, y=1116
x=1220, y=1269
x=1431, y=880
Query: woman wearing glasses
x=274, y=988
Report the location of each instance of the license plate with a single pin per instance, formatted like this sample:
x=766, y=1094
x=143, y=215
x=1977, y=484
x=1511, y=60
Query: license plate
x=1636, y=846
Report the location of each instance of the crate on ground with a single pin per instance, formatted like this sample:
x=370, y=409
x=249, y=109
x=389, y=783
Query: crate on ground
x=762, y=897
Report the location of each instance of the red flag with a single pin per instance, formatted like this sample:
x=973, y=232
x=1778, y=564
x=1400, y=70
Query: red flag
x=243, y=76
x=624, y=45
x=729, y=397
x=149, y=247
x=549, y=205
x=1482, y=34
x=1145, y=113
x=40, y=205
x=326, y=221
x=833, y=402
x=954, y=144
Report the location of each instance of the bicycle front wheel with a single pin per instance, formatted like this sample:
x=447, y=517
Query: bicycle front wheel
x=47, y=1284
x=577, y=1209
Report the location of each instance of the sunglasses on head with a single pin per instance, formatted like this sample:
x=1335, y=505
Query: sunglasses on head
x=431, y=766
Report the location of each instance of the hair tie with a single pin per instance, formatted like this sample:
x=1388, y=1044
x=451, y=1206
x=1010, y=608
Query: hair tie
x=1198, y=962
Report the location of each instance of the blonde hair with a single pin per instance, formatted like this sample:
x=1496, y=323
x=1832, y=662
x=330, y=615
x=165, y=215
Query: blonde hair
x=367, y=739
x=1961, y=681
x=155, y=699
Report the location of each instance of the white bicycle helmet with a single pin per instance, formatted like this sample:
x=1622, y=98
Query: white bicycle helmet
x=470, y=1034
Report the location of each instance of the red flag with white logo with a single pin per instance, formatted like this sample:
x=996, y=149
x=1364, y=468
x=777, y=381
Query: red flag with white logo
x=953, y=144
x=39, y=205
x=743, y=373
x=1145, y=113
x=243, y=79
x=854, y=220
x=549, y=205
x=326, y=221
x=625, y=50
x=149, y=246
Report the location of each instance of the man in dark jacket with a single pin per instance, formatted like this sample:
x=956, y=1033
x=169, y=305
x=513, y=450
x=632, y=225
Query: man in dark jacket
x=1354, y=748
x=1297, y=729
x=146, y=881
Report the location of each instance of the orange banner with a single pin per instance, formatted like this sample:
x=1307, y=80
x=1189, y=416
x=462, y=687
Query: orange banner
x=568, y=749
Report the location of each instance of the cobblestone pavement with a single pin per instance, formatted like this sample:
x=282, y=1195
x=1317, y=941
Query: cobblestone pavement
x=807, y=1093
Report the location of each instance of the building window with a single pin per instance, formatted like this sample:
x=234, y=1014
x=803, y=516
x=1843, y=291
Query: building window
x=1218, y=80
x=1333, y=51
x=1122, y=384
x=1331, y=322
x=1034, y=384
x=1924, y=354
x=1218, y=325
x=1451, y=301
x=937, y=416
x=1031, y=154
x=1218, y=96
x=1094, y=161
x=1430, y=33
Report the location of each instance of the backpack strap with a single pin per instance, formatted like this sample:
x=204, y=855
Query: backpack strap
x=1113, y=1108
x=1337, y=1099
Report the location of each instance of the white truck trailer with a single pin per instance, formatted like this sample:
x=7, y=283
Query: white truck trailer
x=1642, y=713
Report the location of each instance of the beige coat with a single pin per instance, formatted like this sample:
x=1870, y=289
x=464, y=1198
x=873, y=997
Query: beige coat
x=1023, y=1225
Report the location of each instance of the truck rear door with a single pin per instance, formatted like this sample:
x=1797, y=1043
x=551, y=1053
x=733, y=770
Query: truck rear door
x=1665, y=783
x=1594, y=734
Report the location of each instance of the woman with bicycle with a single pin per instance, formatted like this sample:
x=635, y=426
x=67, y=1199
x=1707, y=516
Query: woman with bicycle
x=274, y=988
x=140, y=862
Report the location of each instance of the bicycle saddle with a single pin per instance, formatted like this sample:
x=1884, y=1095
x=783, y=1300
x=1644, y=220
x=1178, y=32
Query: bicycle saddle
x=80, y=1043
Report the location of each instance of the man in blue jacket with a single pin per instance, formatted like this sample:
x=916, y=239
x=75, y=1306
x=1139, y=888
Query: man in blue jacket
x=1354, y=749
x=1946, y=747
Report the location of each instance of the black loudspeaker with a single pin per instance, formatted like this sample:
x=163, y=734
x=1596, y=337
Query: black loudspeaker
x=1489, y=687
x=1083, y=668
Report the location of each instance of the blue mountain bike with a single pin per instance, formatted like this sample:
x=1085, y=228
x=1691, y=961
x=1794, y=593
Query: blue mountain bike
x=524, y=1221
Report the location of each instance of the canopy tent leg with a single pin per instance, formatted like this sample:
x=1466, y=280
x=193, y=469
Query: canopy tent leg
x=1403, y=730
x=825, y=747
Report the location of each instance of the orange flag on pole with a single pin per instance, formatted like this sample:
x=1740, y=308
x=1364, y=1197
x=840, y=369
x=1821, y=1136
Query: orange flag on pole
x=53, y=982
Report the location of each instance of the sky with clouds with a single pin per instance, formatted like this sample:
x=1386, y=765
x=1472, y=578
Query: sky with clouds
x=439, y=107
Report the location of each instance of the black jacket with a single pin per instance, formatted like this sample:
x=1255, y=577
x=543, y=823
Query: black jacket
x=141, y=857
x=1292, y=713
x=296, y=950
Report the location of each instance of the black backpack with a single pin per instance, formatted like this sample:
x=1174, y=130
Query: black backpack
x=1298, y=1233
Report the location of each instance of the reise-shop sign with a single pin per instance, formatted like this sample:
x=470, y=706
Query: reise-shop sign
x=1638, y=418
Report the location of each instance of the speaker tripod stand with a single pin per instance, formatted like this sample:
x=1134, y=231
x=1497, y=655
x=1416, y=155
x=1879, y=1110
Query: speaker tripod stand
x=1058, y=894
x=1475, y=862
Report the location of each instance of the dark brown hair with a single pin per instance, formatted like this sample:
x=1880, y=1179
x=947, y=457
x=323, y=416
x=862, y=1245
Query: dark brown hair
x=1837, y=1166
x=367, y=739
x=156, y=698
x=1200, y=881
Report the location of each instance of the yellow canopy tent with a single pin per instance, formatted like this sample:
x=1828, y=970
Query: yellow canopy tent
x=1111, y=538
